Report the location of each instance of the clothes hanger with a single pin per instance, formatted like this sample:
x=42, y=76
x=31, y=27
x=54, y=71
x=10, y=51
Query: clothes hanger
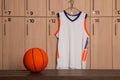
x=72, y=10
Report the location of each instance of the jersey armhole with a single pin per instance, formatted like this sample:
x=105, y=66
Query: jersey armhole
x=58, y=29
x=85, y=26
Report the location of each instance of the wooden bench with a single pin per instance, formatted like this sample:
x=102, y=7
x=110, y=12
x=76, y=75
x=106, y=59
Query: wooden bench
x=61, y=75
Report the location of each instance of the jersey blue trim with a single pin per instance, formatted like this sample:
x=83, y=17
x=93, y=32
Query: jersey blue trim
x=58, y=15
x=86, y=44
x=66, y=14
x=86, y=16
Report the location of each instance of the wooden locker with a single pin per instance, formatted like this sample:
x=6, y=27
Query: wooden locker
x=83, y=5
x=13, y=7
x=101, y=7
x=35, y=33
x=35, y=7
x=13, y=43
x=0, y=43
x=116, y=43
x=116, y=7
x=0, y=7
x=51, y=42
x=55, y=6
x=101, y=43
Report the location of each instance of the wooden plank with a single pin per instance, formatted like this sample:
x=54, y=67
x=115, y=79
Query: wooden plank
x=62, y=75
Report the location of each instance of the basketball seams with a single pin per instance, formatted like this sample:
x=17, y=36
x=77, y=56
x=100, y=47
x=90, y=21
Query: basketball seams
x=42, y=58
x=33, y=60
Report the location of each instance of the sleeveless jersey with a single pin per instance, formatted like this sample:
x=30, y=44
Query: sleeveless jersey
x=72, y=38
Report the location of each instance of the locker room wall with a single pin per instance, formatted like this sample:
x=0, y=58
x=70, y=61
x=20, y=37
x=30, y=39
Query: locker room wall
x=37, y=23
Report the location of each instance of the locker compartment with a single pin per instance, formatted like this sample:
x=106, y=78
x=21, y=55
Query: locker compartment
x=55, y=6
x=35, y=33
x=101, y=7
x=101, y=43
x=0, y=7
x=0, y=43
x=116, y=42
x=116, y=7
x=35, y=7
x=13, y=43
x=51, y=42
x=13, y=7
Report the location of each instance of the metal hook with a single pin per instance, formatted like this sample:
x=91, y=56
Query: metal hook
x=71, y=4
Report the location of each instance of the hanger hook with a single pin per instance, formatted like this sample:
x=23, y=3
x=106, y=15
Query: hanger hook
x=71, y=3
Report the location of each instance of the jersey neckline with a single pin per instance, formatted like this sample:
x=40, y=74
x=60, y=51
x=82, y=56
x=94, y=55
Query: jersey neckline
x=67, y=15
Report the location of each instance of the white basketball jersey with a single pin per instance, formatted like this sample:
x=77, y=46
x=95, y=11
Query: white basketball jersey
x=72, y=37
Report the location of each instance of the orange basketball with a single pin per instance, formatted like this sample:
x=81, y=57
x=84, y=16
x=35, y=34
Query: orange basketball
x=35, y=60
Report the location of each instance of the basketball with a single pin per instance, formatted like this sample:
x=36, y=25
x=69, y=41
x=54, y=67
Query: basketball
x=35, y=60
